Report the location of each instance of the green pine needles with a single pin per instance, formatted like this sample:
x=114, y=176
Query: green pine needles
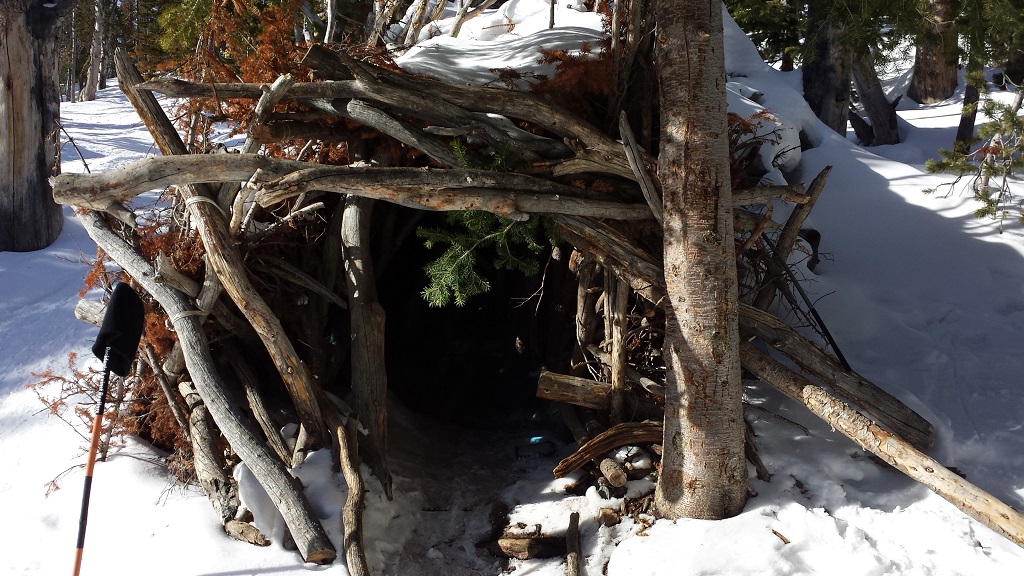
x=456, y=274
x=479, y=243
x=992, y=166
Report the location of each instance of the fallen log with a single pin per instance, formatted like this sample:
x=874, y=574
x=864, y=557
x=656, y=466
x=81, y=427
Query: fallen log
x=881, y=405
x=895, y=451
x=207, y=459
x=592, y=394
x=352, y=511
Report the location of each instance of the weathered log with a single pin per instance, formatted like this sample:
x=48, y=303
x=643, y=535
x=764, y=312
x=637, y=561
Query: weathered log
x=90, y=311
x=529, y=547
x=172, y=399
x=649, y=187
x=245, y=532
x=352, y=511
x=224, y=257
x=611, y=250
x=504, y=193
x=775, y=267
x=369, y=378
x=250, y=384
x=608, y=467
x=972, y=500
x=764, y=194
x=591, y=394
x=619, y=435
x=285, y=492
x=586, y=318
x=573, y=390
x=787, y=238
x=228, y=198
x=428, y=99
x=404, y=132
x=97, y=190
x=507, y=194
x=207, y=459
x=573, y=556
x=396, y=88
x=616, y=298
x=882, y=406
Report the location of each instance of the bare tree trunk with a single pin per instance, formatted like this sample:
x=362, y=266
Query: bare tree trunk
x=95, y=71
x=975, y=83
x=935, y=56
x=29, y=111
x=331, y=9
x=880, y=111
x=826, y=75
x=704, y=474
x=369, y=380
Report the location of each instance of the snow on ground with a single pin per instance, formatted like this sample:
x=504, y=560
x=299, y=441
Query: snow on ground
x=923, y=299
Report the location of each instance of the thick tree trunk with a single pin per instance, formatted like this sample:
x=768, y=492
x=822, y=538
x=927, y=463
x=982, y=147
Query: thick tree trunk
x=95, y=71
x=935, y=57
x=29, y=109
x=704, y=474
x=884, y=129
x=826, y=76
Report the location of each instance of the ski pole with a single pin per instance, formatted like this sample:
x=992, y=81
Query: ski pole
x=97, y=428
x=116, y=345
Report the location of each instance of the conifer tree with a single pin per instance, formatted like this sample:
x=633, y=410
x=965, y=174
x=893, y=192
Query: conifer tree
x=703, y=473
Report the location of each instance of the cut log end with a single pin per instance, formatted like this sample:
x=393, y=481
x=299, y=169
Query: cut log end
x=325, y=556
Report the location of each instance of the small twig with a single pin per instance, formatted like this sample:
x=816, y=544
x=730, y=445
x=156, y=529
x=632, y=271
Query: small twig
x=300, y=213
x=71, y=141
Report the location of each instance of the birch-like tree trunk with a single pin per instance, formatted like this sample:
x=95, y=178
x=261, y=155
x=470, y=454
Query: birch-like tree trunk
x=29, y=110
x=703, y=472
x=95, y=71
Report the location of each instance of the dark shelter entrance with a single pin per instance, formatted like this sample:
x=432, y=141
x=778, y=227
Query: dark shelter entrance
x=474, y=365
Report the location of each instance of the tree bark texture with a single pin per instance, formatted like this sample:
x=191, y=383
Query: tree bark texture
x=369, y=379
x=704, y=474
x=935, y=56
x=877, y=107
x=826, y=75
x=29, y=111
x=898, y=453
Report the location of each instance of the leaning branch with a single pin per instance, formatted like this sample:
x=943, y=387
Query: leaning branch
x=283, y=490
x=972, y=500
x=507, y=194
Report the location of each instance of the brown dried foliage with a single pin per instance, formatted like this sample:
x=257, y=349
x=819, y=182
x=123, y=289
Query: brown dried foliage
x=582, y=82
